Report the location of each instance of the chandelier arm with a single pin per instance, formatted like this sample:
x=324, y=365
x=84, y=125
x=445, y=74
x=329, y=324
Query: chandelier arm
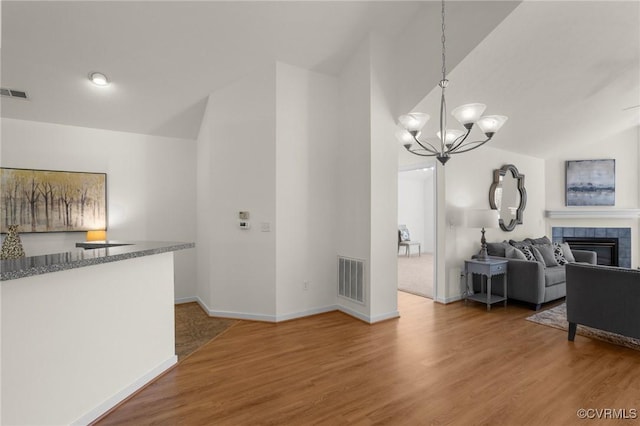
x=432, y=149
x=422, y=155
x=459, y=142
x=478, y=145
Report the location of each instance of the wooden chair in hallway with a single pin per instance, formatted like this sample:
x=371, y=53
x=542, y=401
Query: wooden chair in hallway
x=404, y=240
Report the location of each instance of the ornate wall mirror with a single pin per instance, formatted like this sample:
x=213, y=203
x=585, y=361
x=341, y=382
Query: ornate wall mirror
x=508, y=196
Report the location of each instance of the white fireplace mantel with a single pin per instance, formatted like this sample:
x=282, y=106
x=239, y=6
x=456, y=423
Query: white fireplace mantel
x=593, y=214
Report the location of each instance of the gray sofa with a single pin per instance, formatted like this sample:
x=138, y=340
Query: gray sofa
x=533, y=282
x=603, y=297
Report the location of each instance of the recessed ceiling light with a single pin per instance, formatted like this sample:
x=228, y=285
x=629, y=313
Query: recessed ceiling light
x=99, y=79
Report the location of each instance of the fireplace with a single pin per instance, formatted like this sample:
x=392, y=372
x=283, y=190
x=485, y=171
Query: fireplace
x=605, y=248
x=613, y=245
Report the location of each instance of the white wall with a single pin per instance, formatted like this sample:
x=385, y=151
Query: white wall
x=625, y=149
x=150, y=184
x=383, y=183
x=307, y=151
x=239, y=137
x=468, y=179
x=354, y=175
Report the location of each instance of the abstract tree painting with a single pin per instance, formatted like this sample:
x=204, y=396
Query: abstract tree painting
x=52, y=201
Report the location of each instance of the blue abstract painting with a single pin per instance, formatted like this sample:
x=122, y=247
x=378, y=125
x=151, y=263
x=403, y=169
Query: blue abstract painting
x=591, y=183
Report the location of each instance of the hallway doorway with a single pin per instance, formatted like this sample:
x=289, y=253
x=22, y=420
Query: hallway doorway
x=416, y=212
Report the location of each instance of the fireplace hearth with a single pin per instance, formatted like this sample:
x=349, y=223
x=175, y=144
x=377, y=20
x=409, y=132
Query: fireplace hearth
x=613, y=245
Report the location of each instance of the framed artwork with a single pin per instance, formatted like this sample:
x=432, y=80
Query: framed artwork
x=591, y=183
x=52, y=201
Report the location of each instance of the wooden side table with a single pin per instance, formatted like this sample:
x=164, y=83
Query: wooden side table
x=487, y=268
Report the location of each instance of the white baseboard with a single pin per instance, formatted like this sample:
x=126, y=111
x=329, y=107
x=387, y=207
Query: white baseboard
x=290, y=316
x=449, y=299
x=181, y=300
x=126, y=392
x=384, y=317
x=308, y=312
x=354, y=313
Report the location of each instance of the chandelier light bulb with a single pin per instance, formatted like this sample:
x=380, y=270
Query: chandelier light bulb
x=99, y=79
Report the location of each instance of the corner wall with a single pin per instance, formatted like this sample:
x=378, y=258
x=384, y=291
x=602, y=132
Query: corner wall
x=307, y=151
x=468, y=179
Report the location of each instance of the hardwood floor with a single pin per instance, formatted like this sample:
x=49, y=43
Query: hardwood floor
x=437, y=364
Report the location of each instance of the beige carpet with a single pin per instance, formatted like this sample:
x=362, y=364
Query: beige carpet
x=194, y=328
x=557, y=318
x=415, y=274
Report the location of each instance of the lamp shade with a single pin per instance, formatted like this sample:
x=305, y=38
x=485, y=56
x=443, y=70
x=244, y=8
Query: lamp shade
x=482, y=218
x=451, y=135
x=491, y=123
x=469, y=113
x=97, y=235
x=404, y=136
x=414, y=121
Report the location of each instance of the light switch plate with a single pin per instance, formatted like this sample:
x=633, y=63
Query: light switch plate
x=265, y=227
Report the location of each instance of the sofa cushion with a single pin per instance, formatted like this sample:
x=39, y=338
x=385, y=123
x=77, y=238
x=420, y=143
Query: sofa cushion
x=541, y=240
x=520, y=244
x=497, y=249
x=513, y=253
x=546, y=253
x=554, y=275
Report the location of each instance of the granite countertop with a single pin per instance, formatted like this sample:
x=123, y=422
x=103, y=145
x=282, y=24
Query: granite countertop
x=78, y=258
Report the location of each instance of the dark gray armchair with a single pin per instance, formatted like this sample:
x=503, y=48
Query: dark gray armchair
x=603, y=297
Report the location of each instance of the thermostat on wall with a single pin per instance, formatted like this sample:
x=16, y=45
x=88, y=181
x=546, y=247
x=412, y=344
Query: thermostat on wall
x=244, y=224
x=243, y=215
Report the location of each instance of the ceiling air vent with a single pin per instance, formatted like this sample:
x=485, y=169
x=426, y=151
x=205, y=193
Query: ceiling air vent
x=11, y=93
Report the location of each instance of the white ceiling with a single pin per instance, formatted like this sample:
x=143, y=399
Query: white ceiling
x=164, y=58
x=562, y=71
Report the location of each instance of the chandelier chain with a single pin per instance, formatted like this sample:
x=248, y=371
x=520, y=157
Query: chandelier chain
x=444, y=69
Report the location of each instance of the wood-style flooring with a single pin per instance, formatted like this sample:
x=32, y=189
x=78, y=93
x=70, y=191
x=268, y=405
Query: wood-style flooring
x=438, y=364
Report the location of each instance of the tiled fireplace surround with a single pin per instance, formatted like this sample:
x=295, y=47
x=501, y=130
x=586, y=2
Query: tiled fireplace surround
x=622, y=234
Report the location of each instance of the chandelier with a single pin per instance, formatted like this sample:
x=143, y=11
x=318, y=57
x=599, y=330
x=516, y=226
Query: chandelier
x=447, y=141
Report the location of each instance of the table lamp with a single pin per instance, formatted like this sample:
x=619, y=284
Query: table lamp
x=482, y=219
x=97, y=235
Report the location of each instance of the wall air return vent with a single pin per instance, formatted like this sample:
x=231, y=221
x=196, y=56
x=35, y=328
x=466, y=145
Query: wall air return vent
x=351, y=279
x=11, y=93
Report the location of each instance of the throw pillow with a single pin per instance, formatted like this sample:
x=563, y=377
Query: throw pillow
x=559, y=255
x=546, y=253
x=404, y=235
x=566, y=250
x=497, y=249
x=513, y=253
x=528, y=253
x=520, y=244
x=536, y=241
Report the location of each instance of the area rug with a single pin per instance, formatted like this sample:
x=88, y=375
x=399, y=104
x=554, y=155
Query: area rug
x=194, y=328
x=557, y=318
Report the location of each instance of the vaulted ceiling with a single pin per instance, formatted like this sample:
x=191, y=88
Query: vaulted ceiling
x=559, y=70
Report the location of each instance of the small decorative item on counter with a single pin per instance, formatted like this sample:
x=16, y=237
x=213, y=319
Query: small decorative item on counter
x=12, y=246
